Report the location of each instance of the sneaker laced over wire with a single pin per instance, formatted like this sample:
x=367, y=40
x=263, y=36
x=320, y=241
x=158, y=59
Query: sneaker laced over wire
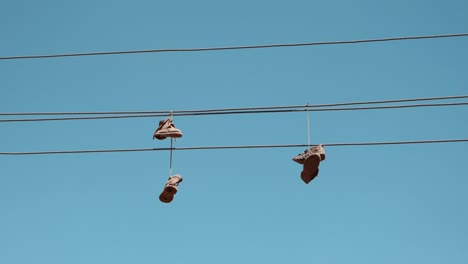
x=319, y=149
x=167, y=129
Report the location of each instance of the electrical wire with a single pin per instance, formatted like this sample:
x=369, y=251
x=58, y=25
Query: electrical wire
x=234, y=147
x=394, y=101
x=235, y=47
x=234, y=112
x=167, y=112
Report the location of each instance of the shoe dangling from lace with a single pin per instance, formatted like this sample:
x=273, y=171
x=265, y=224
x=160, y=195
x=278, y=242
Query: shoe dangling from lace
x=310, y=160
x=167, y=129
x=170, y=189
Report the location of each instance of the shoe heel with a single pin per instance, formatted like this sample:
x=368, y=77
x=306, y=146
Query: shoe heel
x=166, y=197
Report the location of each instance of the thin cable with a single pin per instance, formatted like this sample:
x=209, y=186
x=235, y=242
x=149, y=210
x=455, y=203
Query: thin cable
x=308, y=126
x=166, y=112
x=235, y=147
x=235, y=112
x=394, y=101
x=170, y=160
x=235, y=47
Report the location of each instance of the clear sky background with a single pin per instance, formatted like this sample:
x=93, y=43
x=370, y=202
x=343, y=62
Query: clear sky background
x=374, y=204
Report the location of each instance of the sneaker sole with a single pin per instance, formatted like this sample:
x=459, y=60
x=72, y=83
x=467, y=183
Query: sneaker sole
x=310, y=170
x=168, y=134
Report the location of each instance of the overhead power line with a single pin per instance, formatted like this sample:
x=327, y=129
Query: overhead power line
x=235, y=112
x=233, y=147
x=167, y=112
x=234, y=47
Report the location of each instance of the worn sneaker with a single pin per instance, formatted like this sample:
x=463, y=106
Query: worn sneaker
x=170, y=189
x=167, y=129
x=319, y=149
x=311, y=168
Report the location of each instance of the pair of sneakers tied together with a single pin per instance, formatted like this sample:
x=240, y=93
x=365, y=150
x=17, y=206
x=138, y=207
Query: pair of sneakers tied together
x=167, y=129
x=310, y=160
x=170, y=189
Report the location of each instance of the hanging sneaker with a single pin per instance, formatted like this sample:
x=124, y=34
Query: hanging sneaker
x=310, y=160
x=319, y=149
x=167, y=129
x=170, y=189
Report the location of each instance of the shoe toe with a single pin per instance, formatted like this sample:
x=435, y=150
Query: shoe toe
x=159, y=137
x=306, y=177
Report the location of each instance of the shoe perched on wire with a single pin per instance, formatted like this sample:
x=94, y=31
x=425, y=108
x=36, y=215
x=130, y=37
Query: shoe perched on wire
x=319, y=149
x=310, y=160
x=170, y=189
x=167, y=129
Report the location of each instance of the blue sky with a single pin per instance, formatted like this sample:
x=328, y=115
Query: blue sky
x=385, y=204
